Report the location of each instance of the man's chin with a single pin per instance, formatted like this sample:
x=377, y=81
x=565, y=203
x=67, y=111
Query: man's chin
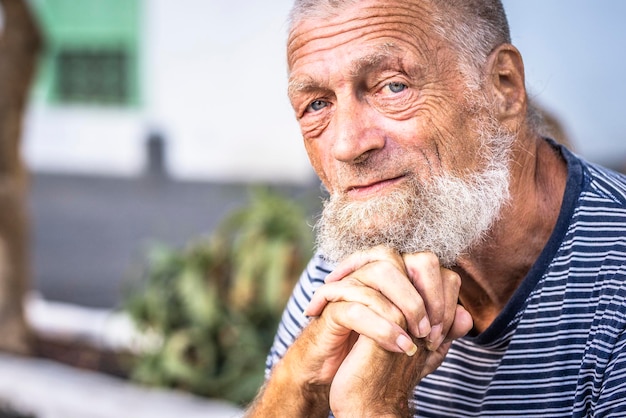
x=447, y=222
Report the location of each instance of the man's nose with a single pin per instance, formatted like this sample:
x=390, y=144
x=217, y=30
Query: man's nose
x=355, y=132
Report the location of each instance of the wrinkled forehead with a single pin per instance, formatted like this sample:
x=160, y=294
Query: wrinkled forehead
x=405, y=21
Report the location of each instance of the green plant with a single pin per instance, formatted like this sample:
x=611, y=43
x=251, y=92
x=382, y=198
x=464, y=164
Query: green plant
x=215, y=304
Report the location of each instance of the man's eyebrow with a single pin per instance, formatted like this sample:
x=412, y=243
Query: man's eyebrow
x=304, y=85
x=379, y=57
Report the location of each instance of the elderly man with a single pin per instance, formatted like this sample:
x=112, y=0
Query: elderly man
x=467, y=266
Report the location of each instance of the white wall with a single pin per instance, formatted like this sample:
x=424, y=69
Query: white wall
x=575, y=57
x=218, y=88
x=214, y=82
x=81, y=140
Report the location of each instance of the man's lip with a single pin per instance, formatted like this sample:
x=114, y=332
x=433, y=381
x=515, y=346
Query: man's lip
x=373, y=187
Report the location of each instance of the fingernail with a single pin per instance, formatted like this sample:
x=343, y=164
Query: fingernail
x=424, y=327
x=406, y=345
x=435, y=338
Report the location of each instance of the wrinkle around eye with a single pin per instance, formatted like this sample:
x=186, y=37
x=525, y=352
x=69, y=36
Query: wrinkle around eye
x=398, y=105
x=313, y=125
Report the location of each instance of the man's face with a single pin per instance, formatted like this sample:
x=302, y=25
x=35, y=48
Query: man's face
x=384, y=112
x=377, y=97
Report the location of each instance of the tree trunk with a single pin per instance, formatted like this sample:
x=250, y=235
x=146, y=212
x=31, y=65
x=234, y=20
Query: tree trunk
x=20, y=43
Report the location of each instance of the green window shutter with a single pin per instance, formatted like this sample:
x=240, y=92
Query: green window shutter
x=92, y=54
x=98, y=75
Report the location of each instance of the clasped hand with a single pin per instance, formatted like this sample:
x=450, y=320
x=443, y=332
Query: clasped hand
x=382, y=322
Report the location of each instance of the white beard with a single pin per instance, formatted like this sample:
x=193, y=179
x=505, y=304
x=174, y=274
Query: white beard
x=446, y=215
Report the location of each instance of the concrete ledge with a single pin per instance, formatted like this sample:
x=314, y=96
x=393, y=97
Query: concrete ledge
x=52, y=390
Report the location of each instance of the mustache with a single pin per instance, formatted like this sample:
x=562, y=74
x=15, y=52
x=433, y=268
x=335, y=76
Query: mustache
x=444, y=214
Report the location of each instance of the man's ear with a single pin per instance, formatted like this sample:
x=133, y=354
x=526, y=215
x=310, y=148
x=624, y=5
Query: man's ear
x=505, y=72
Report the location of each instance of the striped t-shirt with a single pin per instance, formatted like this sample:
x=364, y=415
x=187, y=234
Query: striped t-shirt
x=558, y=349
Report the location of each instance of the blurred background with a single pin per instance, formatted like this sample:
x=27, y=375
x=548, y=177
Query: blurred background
x=149, y=121
x=194, y=91
x=191, y=95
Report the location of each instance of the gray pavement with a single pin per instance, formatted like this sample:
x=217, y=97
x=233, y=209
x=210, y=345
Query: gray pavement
x=90, y=234
x=48, y=389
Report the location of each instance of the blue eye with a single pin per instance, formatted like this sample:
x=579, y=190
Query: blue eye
x=316, y=105
x=396, y=87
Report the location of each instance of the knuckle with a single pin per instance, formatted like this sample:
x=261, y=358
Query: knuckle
x=351, y=280
x=418, y=311
x=385, y=254
x=431, y=260
x=394, y=315
x=425, y=261
x=451, y=278
x=353, y=312
x=381, y=268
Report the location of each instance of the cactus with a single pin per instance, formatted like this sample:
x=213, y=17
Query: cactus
x=216, y=303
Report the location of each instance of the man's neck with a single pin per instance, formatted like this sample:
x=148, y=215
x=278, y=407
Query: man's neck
x=494, y=269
